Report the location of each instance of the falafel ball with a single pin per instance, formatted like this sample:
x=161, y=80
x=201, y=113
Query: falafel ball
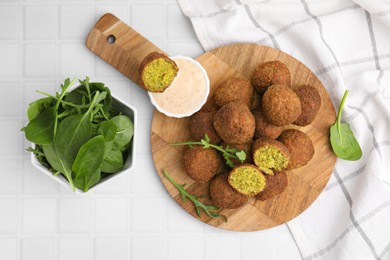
x=264, y=128
x=247, y=148
x=201, y=164
x=201, y=123
x=234, y=89
x=223, y=195
x=157, y=71
x=281, y=106
x=270, y=155
x=247, y=179
x=276, y=184
x=235, y=123
x=300, y=146
x=310, y=103
x=270, y=73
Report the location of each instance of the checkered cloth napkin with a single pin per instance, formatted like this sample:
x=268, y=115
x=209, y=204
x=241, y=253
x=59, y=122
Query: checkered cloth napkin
x=347, y=45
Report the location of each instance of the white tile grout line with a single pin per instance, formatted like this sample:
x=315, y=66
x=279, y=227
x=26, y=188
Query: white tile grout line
x=92, y=196
x=20, y=177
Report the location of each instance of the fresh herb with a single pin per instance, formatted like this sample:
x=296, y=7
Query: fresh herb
x=344, y=143
x=78, y=133
x=227, y=152
x=88, y=161
x=208, y=209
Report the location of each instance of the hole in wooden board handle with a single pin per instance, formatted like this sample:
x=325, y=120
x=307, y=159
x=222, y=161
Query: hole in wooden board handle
x=111, y=39
x=125, y=51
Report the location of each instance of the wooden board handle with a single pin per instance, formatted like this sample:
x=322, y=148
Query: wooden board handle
x=119, y=45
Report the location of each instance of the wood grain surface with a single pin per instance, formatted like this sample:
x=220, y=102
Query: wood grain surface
x=305, y=184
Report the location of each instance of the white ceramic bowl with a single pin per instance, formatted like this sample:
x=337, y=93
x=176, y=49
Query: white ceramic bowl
x=127, y=110
x=203, y=101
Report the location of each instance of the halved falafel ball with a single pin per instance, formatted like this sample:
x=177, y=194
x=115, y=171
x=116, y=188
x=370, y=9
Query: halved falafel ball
x=276, y=184
x=157, y=71
x=201, y=164
x=281, y=106
x=234, y=89
x=201, y=123
x=247, y=148
x=300, y=146
x=264, y=128
x=247, y=179
x=310, y=104
x=270, y=73
x=270, y=155
x=235, y=123
x=223, y=195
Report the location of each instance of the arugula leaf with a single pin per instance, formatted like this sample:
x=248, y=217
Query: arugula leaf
x=208, y=209
x=342, y=139
x=227, y=152
x=241, y=155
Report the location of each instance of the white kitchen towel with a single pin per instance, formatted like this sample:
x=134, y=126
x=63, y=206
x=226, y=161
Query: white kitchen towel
x=347, y=45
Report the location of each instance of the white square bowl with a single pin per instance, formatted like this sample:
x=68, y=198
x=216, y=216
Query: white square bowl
x=126, y=109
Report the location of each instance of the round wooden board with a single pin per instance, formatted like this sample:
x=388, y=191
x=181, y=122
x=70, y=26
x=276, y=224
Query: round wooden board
x=305, y=184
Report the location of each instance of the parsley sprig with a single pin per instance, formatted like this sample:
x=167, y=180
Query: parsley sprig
x=209, y=209
x=227, y=152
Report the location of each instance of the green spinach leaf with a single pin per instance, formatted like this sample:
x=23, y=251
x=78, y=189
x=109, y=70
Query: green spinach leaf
x=83, y=181
x=125, y=130
x=57, y=163
x=88, y=160
x=108, y=130
x=36, y=107
x=113, y=162
x=344, y=143
x=72, y=133
x=40, y=130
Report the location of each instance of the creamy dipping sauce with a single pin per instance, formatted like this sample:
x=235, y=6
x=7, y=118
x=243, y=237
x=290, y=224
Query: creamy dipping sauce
x=187, y=91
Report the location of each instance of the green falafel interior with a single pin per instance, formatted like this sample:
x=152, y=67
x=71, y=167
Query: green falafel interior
x=247, y=179
x=269, y=159
x=159, y=74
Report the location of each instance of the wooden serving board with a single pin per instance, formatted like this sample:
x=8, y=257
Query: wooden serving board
x=305, y=184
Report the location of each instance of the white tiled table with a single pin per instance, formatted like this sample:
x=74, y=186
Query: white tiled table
x=132, y=217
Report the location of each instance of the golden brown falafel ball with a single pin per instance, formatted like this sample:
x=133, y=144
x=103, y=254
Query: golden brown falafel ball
x=247, y=179
x=201, y=123
x=310, y=103
x=201, y=164
x=270, y=155
x=223, y=195
x=264, y=128
x=300, y=146
x=235, y=123
x=270, y=73
x=275, y=184
x=281, y=106
x=234, y=89
x=247, y=148
x=156, y=72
